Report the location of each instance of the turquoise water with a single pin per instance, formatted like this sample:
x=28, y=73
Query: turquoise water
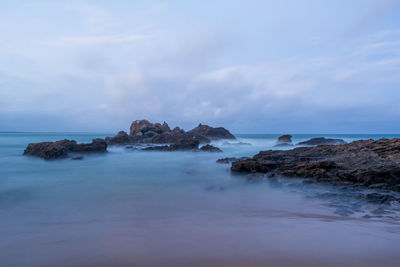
x=179, y=208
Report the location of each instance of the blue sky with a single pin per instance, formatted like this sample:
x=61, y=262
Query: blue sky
x=302, y=66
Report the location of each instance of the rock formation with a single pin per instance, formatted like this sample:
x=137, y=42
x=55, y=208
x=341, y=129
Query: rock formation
x=60, y=149
x=210, y=148
x=284, y=140
x=143, y=131
x=367, y=162
x=323, y=141
x=211, y=132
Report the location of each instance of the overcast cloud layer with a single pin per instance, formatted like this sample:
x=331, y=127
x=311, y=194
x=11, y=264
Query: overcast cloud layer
x=251, y=66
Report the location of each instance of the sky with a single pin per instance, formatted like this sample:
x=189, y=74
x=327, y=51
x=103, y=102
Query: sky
x=304, y=66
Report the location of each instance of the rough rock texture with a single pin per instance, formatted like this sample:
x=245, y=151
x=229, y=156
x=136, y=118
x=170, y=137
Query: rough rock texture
x=140, y=127
x=367, y=162
x=185, y=144
x=230, y=160
x=143, y=131
x=212, y=133
x=178, y=136
x=322, y=141
x=122, y=138
x=284, y=140
x=210, y=148
x=60, y=149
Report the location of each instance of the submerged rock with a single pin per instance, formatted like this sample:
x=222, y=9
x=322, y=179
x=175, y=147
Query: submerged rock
x=212, y=133
x=365, y=162
x=284, y=140
x=210, y=148
x=230, y=160
x=60, y=149
x=186, y=144
x=322, y=141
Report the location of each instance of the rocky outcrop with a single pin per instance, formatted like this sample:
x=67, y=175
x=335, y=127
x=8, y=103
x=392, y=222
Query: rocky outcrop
x=182, y=145
x=230, y=160
x=143, y=131
x=371, y=163
x=322, y=141
x=210, y=148
x=122, y=138
x=212, y=133
x=60, y=149
x=178, y=136
x=284, y=140
x=144, y=127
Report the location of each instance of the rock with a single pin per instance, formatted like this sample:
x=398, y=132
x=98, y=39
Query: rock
x=184, y=144
x=230, y=160
x=210, y=148
x=77, y=158
x=284, y=140
x=140, y=127
x=178, y=136
x=322, y=141
x=365, y=162
x=212, y=133
x=122, y=138
x=60, y=149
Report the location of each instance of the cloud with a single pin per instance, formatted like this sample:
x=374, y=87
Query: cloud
x=98, y=40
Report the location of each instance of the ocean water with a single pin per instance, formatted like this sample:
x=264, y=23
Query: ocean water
x=145, y=208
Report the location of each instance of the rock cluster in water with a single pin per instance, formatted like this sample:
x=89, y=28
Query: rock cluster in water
x=141, y=132
x=62, y=148
x=368, y=162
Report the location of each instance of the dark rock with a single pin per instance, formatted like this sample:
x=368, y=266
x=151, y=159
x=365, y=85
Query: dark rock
x=60, y=149
x=77, y=158
x=322, y=141
x=365, y=162
x=122, y=138
x=212, y=133
x=210, y=148
x=184, y=144
x=178, y=136
x=284, y=140
x=140, y=127
x=230, y=160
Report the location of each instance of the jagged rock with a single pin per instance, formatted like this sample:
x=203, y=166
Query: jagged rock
x=140, y=127
x=143, y=131
x=185, y=144
x=322, y=141
x=210, y=148
x=122, y=138
x=212, y=133
x=365, y=162
x=230, y=160
x=60, y=149
x=284, y=140
x=175, y=137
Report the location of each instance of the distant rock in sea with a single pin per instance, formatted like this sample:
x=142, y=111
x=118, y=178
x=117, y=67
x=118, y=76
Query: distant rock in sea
x=284, y=140
x=210, y=148
x=230, y=160
x=143, y=131
x=212, y=133
x=322, y=141
x=365, y=162
x=60, y=149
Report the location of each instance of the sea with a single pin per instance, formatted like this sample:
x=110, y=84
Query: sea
x=129, y=207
